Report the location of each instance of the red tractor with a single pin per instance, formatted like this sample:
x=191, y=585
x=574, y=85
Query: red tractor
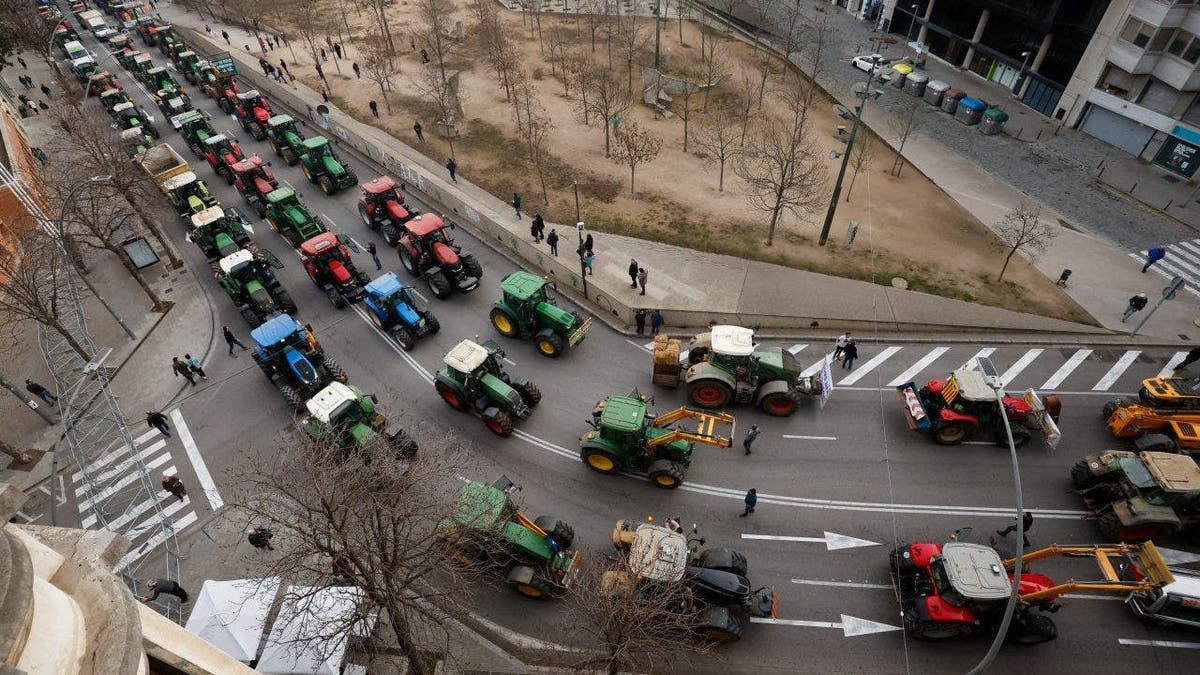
x=222, y=152
x=328, y=263
x=255, y=181
x=221, y=88
x=428, y=250
x=253, y=110
x=382, y=208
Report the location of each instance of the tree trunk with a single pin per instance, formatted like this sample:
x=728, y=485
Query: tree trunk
x=775, y=212
x=408, y=646
x=387, y=102
x=66, y=334
x=632, y=167
x=134, y=272
x=542, y=179
x=850, y=189
x=685, y=126
x=606, y=142
x=1007, y=258
x=721, y=180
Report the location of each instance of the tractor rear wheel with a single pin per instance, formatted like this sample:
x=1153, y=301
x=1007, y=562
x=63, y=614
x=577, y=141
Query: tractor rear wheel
x=338, y=300
x=525, y=580
x=550, y=345
x=226, y=106
x=778, y=404
x=558, y=530
x=286, y=302
x=335, y=370
x=721, y=624
x=1081, y=475
x=308, y=174
x=365, y=217
x=500, y=424
x=292, y=396
x=404, y=338
x=406, y=261
x=1110, y=526
x=709, y=393
x=250, y=316
x=1021, y=436
x=260, y=208
x=503, y=322
x=934, y=631
x=450, y=394
x=326, y=185
x=1111, y=407
x=666, y=474
x=257, y=132
x=390, y=235
x=439, y=285
x=1031, y=629
x=952, y=433
x=472, y=266
x=599, y=459
x=289, y=157
x=529, y=393
x=431, y=321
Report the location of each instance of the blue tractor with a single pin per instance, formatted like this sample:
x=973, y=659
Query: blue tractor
x=395, y=311
x=290, y=356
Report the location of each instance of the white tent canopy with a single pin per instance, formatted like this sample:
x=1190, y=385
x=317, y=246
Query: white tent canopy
x=232, y=615
x=299, y=642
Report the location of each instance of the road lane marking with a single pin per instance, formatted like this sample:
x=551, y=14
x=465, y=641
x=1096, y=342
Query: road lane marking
x=1117, y=370
x=129, y=515
x=1022, y=363
x=811, y=438
x=869, y=366
x=1157, y=643
x=113, y=489
x=197, y=461
x=171, y=530
x=114, y=454
x=917, y=367
x=1169, y=369
x=832, y=540
x=842, y=584
x=121, y=467
x=645, y=347
x=796, y=349
x=408, y=358
x=814, y=368
x=850, y=626
x=1066, y=369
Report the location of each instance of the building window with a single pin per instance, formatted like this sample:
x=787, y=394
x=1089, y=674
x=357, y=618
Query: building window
x=1184, y=45
x=1160, y=40
x=1137, y=32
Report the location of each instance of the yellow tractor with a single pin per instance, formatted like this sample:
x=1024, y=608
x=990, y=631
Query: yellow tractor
x=1165, y=405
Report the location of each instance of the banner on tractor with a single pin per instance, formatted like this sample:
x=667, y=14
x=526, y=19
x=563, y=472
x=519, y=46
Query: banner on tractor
x=1049, y=428
x=224, y=64
x=826, y=379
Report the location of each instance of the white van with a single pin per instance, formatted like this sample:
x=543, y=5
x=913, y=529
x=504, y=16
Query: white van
x=74, y=50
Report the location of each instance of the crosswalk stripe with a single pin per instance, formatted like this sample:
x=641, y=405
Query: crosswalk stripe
x=113, y=489
x=796, y=349
x=1022, y=363
x=814, y=368
x=115, y=454
x=1066, y=369
x=156, y=541
x=1169, y=369
x=125, y=465
x=917, y=367
x=649, y=346
x=869, y=366
x=151, y=522
x=1118, y=368
x=129, y=514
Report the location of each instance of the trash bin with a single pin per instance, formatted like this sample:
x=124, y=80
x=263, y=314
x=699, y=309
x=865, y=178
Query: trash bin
x=950, y=100
x=993, y=121
x=915, y=83
x=899, y=72
x=934, y=92
x=970, y=110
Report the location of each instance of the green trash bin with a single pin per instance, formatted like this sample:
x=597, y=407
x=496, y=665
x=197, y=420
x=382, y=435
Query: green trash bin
x=993, y=121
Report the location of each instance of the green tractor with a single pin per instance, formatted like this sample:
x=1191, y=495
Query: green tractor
x=158, y=78
x=249, y=280
x=322, y=166
x=725, y=366
x=1139, y=496
x=526, y=310
x=136, y=141
x=535, y=555
x=285, y=138
x=188, y=194
x=194, y=127
x=220, y=232
x=625, y=436
x=189, y=65
x=111, y=98
x=290, y=217
x=345, y=416
x=474, y=381
x=126, y=59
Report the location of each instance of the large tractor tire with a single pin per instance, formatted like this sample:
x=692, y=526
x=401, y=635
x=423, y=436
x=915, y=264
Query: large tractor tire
x=724, y=559
x=389, y=233
x=326, y=184
x=366, y=217
x=1021, y=435
x=1029, y=628
x=599, y=459
x=529, y=392
x=275, y=147
x=406, y=261
x=558, y=530
x=778, y=404
x=472, y=266
x=709, y=393
x=500, y=424
x=293, y=397
x=404, y=338
x=336, y=299
x=335, y=370
x=431, y=321
x=666, y=474
x=504, y=322
x=937, y=631
x=289, y=156
x=308, y=174
x=953, y=433
x=1110, y=526
x=286, y=302
x=525, y=581
x=451, y=394
x=439, y=285
x=260, y=207
x=250, y=317
x=257, y=132
x=1081, y=476
x=722, y=624
x=1111, y=406
x=549, y=344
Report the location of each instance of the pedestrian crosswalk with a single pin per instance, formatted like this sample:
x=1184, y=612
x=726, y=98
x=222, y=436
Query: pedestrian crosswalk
x=1045, y=369
x=1183, y=259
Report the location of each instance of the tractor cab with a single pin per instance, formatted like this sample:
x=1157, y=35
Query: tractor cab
x=101, y=82
x=83, y=67
x=244, y=263
x=220, y=145
x=352, y=415
x=328, y=263
x=251, y=170
x=65, y=34
x=222, y=243
x=253, y=102
x=621, y=420
x=658, y=554
x=731, y=347
x=392, y=299
x=184, y=122
x=126, y=59
x=136, y=140
x=384, y=200
x=174, y=50
x=188, y=193
x=283, y=337
x=188, y=64
x=158, y=78
x=129, y=116
x=110, y=98
x=140, y=64
x=118, y=42
x=1171, y=393
x=172, y=102
x=475, y=368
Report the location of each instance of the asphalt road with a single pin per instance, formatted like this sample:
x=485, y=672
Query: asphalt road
x=851, y=468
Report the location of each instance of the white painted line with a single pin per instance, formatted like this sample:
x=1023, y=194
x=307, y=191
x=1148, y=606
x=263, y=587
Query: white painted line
x=421, y=370
x=508, y=361
x=811, y=438
x=1022, y=363
x=832, y=540
x=645, y=347
x=155, y=519
x=796, y=349
x=1156, y=643
x=917, y=367
x=842, y=584
x=156, y=541
x=126, y=465
x=986, y=351
x=1169, y=369
x=867, y=367
x=1117, y=370
x=419, y=294
x=1066, y=369
x=814, y=368
x=198, y=466
x=115, y=453
x=851, y=626
x=113, y=489
x=129, y=514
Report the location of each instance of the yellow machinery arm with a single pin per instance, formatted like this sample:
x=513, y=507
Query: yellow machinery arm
x=1146, y=557
x=706, y=428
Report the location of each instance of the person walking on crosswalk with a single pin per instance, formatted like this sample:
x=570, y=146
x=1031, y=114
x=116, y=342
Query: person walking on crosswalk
x=840, y=345
x=1192, y=356
x=157, y=420
x=1154, y=255
x=849, y=354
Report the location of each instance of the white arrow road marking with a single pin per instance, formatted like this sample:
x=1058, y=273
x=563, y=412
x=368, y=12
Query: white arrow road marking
x=1066, y=369
x=647, y=347
x=1173, y=557
x=832, y=540
x=1153, y=643
x=247, y=227
x=198, y=466
x=1117, y=370
x=851, y=626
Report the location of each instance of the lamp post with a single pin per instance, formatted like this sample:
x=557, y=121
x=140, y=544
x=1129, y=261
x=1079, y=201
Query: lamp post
x=657, y=34
x=1016, y=90
x=837, y=187
x=912, y=21
x=60, y=232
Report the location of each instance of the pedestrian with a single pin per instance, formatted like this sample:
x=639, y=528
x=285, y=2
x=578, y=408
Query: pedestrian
x=1154, y=255
x=40, y=154
x=750, y=500
x=552, y=241
x=633, y=269
x=183, y=369
x=587, y=262
x=452, y=166
x=226, y=36
x=262, y=45
x=160, y=586
x=172, y=484
x=283, y=40
x=1193, y=356
x=424, y=56
x=641, y=279
x=320, y=73
x=516, y=204
x=196, y=365
x=656, y=322
x=157, y=420
x=374, y=255
x=750, y=436
x=538, y=227
x=325, y=97
x=283, y=64
x=41, y=392
x=1026, y=523
x=639, y=320
x=260, y=538
x=337, y=49
x=357, y=72
x=588, y=243
x=270, y=46
x=840, y=345
x=849, y=353
x=43, y=105
x=310, y=112
x=374, y=108
x=1136, y=304
x=323, y=57
x=231, y=340
x=208, y=29
x=533, y=230
x=22, y=62
x=418, y=131
x=262, y=63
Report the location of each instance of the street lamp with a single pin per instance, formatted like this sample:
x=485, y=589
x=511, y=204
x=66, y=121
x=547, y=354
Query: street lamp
x=1016, y=90
x=837, y=187
x=912, y=21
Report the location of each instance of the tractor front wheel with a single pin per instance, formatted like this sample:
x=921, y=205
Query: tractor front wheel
x=1021, y=436
x=292, y=396
x=335, y=370
x=338, y=300
x=1031, y=629
x=599, y=459
x=439, y=285
x=226, y=106
x=307, y=172
x=952, y=433
x=500, y=424
x=432, y=322
x=257, y=132
x=404, y=338
x=450, y=395
x=529, y=393
x=406, y=260
x=472, y=266
x=1110, y=526
x=286, y=302
x=550, y=345
x=289, y=157
x=503, y=322
x=666, y=474
x=1081, y=475
x=935, y=631
x=326, y=185
x=525, y=581
x=779, y=404
x=709, y=393
x=365, y=217
x=558, y=530
x=721, y=624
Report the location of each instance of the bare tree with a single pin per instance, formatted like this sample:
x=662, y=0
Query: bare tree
x=310, y=20
x=557, y=41
x=687, y=99
x=379, y=9
x=537, y=134
x=498, y=49
x=633, y=40
x=1022, y=229
x=745, y=99
x=765, y=66
x=860, y=158
x=434, y=14
x=581, y=70
x=682, y=9
x=23, y=29
x=719, y=138
x=714, y=65
x=430, y=84
x=31, y=278
x=379, y=64
x=634, y=147
x=728, y=8
x=609, y=100
x=903, y=126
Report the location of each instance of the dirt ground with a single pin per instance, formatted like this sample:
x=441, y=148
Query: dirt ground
x=908, y=226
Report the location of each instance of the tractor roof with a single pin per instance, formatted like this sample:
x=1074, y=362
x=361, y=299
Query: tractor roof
x=130, y=134
x=82, y=60
x=975, y=571
x=210, y=215
x=1172, y=472
x=186, y=118
x=379, y=185
x=623, y=414
x=279, y=194
x=110, y=92
x=176, y=182
x=732, y=340
x=156, y=70
x=424, y=224
x=100, y=75
x=186, y=54
x=315, y=142
x=520, y=285
x=479, y=506
x=141, y=58
x=279, y=119
x=275, y=330
x=658, y=554
x=123, y=106
x=466, y=356
x=248, y=95
x=972, y=386
x=319, y=244
x=240, y=257
x=251, y=162
x=213, y=140
x=385, y=285
x=326, y=404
